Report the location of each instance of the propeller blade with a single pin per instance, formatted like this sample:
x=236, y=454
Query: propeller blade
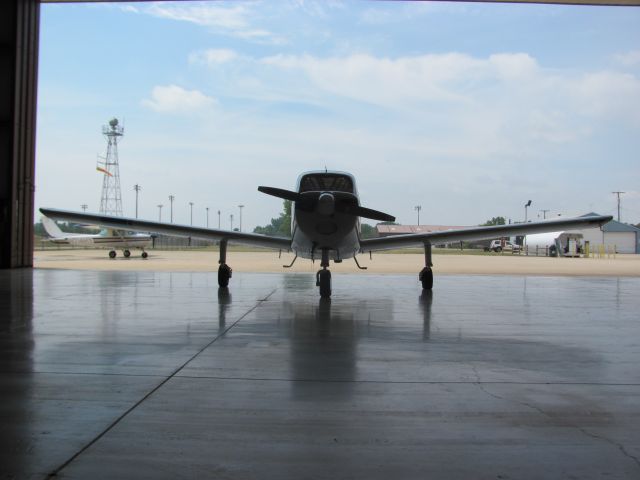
x=282, y=193
x=368, y=213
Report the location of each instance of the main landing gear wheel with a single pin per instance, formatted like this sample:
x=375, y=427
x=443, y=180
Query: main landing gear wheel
x=224, y=274
x=112, y=254
x=426, y=277
x=323, y=280
x=145, y=254
x=126, y=253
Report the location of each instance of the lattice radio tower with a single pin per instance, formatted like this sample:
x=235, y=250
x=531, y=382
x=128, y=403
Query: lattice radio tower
x=111, y=199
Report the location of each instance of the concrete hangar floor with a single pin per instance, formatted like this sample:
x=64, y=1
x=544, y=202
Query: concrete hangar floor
x=161, y=375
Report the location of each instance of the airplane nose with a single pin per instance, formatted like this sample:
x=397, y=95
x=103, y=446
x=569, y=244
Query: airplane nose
x=326, y=204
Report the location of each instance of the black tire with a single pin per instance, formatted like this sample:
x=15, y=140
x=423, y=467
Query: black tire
x=112, y=254
x=552, y=251
x=497, y=249
x=126, y=253
x=145, y=254
x=324, y=278
x=224, y=274
x=426, y=277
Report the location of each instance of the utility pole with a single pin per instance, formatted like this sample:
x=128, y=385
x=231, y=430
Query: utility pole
x=240, y=207
x=160, y=212
x=618, y=194
x=544, y=214
x=191, y=205
x=137, y=188
x=84, y=207
x=207, y=209
x=171, y=199
x=231, y=221
x=417, y=208
x=218, y=219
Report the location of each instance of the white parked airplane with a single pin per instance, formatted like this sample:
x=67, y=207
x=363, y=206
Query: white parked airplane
x=109, y=238
x=326, y=225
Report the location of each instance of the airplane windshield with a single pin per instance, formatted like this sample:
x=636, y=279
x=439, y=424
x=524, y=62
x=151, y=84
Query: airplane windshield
x=326, y=182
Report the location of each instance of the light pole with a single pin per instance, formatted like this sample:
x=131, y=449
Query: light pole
x=231, y=221
x=417, y=208
x=137, y=188
x=171, y=199
x=207, y=209
x=84, y=207
x=526, y=206
x=191, y=206
x=544, y=214
x=240, y=207
x=218, y=219
x=160, y=212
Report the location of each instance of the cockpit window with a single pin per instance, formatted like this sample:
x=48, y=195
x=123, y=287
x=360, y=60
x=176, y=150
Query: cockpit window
x=326, y=182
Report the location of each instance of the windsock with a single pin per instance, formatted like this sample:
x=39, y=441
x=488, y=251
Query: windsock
x=106, y=172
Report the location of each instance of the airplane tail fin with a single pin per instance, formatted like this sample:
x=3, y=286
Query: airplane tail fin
x=51, y=228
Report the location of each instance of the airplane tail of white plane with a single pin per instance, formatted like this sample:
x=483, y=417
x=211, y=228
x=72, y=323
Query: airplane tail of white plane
x=51, y=228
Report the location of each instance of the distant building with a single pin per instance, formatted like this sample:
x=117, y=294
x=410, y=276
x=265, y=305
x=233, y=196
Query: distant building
x=626, y=238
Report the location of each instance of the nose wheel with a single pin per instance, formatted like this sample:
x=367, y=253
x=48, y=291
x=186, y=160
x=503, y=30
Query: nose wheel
x=323, y=277
x=323, y=280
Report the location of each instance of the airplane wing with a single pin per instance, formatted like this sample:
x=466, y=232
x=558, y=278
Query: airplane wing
x=134, y=224
x=480, y=233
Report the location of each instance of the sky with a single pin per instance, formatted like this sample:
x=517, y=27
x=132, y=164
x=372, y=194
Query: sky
x=468, y=110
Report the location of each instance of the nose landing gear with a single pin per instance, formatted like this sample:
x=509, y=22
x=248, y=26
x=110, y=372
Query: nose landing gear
x=323, y=277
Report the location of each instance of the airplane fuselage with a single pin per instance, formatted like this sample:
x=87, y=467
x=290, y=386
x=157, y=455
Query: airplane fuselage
x=317, y=225
x=119, y=242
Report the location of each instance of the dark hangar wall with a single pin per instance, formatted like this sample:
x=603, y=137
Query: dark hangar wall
x=19, y=24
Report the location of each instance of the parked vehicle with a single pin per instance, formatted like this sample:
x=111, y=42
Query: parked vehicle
x=503, y=245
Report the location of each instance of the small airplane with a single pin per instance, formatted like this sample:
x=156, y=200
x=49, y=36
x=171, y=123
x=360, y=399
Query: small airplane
x=109, y=238
x=325, y=225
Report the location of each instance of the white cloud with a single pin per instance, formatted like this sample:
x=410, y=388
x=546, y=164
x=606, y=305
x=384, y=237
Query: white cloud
x=214, y=56
x=628, y=59
x=175, y=99
x=235, y=20
x=514, y=66
x=203, y=14
x=384, y=81
x=401, y=82
x=129, y=9
x=609, y=94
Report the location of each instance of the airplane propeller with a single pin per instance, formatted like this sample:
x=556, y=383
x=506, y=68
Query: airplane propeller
x=308, y=202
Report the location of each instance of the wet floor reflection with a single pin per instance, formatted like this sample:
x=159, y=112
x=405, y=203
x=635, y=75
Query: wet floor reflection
x=92, y=344
x=323, y=345
x=425, y=301
x=18, y=437
x=224, y=304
